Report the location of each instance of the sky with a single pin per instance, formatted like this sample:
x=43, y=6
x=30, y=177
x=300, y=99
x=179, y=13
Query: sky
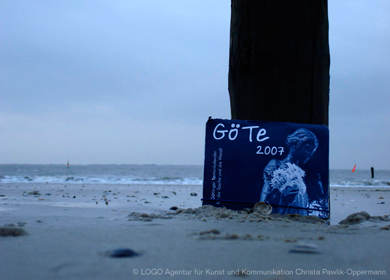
x=134, y=82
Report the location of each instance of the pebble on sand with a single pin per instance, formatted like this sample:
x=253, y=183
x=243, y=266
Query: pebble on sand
x=34, y=193
x=123, y=253
x=305, y=248
x=386, y=227
x=12, y=231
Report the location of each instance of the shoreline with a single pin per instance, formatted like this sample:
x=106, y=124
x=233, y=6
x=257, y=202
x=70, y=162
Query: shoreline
x=159, y=198
x=72, y=238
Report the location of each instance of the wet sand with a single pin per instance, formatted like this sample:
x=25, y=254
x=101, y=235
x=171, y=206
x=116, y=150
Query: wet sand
x=70, y=232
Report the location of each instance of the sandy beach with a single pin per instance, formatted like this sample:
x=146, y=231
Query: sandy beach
x=57, y=231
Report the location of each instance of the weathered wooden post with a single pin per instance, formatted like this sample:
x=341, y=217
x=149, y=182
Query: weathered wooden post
x=279, y=60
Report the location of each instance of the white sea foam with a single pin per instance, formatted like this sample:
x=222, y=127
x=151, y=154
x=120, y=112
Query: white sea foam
x=99, y=180
x=361, y=183
x=156, y=181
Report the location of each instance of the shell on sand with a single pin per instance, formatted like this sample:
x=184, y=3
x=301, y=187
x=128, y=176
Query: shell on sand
x=262, y=207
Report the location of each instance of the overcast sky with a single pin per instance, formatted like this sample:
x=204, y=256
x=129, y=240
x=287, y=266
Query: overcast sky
x=125, y=81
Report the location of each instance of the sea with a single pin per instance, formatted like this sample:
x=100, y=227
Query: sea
x=154, y=174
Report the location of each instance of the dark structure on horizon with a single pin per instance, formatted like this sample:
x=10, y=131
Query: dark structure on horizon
x=279, y=60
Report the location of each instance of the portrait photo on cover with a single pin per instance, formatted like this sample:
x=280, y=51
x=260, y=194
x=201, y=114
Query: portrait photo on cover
x=283, y=164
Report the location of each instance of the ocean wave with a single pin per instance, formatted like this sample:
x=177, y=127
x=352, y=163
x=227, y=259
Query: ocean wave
x=157, y=181
x=361, y=183
x=100, y=180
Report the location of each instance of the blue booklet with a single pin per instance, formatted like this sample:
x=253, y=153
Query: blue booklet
x=284, y=164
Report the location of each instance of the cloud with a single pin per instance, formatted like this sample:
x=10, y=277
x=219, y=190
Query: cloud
x=135, y=81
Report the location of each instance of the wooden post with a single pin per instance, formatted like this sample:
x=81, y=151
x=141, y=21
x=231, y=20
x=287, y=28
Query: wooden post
x=372, y=172
x=279, y=60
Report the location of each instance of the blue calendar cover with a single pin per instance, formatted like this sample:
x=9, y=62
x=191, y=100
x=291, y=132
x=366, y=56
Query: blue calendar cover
x=284, y=164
